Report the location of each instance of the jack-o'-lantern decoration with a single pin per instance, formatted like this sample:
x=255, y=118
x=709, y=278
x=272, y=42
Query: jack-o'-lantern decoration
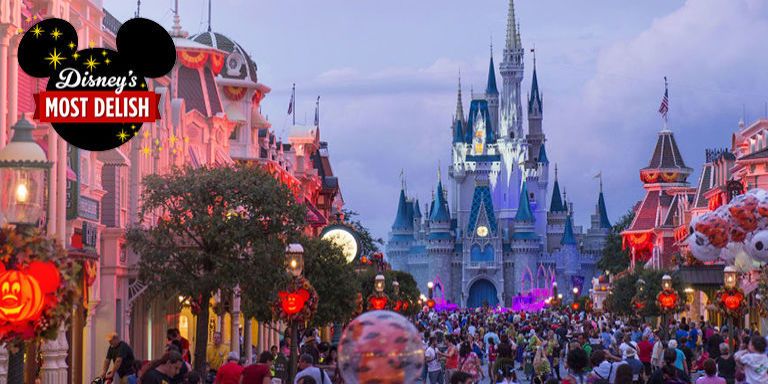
x=668, y=300
x=575, y=306
x=430, y=303
x=293, y=302
x=377, y=303
x=731, y=301
x=23, y=292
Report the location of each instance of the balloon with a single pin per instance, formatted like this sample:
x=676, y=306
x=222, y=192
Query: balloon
x=728, y=254
x=380, y=347
x=757, y=245
x=709, y=234
x=743, y=213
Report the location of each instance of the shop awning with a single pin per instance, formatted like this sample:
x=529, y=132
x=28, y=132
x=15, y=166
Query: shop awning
x=702, y=275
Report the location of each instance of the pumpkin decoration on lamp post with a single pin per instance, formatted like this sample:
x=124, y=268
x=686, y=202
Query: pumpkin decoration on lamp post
x=378, y=300
x=667, y=300
x=730, y=300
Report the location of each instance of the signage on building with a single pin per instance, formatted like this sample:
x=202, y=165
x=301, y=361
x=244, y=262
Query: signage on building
x=73, y=187
x=89, y=235
x=88, y=208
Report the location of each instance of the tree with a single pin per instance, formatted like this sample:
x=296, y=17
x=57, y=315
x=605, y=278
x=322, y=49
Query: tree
x=624, y=289
x=216, y=228
x=409, y=291
x=615, y=258
x=368, y=244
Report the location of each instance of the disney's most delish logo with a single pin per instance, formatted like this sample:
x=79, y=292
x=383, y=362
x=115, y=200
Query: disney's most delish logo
x=96, y=98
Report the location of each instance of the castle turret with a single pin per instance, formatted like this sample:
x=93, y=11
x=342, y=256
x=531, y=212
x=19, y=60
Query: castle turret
x=600, y=227
x=440, y=241
x=492, y=95
x=525, y=242
x=511, y=70
x=459, y=126
x=556, y=217
x=535, y=137
x=402, y=235
x=569, y=253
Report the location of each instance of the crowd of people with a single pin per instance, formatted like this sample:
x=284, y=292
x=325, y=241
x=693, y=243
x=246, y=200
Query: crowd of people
x=548, y=347
x=483, y=345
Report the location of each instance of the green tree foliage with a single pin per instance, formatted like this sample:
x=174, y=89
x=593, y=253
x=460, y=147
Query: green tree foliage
x=409, y=291
x=216, y=228
x=334, y=279
x=368, y=243
x=615, y=259
x=625, y=288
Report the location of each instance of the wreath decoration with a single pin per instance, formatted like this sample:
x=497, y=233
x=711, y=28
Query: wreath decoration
x=40, y=285
x=731, y=301
x=668, y=301
x=297, y=303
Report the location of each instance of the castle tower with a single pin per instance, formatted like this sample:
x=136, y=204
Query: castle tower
x=511, y=70
x=569, y=252
x=535, y=137
x=401, y=236
x=555, y=217
x=525, y=246
x=599, y=229
x=440, y=242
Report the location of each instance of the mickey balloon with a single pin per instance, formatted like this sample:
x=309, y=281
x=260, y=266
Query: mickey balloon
x=49, y=49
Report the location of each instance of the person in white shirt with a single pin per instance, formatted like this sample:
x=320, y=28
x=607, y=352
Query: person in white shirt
x=309, y=370
x=433, y=362
x=754, y=361
x=628, y=345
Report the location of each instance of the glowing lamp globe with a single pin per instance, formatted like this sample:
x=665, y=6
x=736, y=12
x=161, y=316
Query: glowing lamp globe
x=730, y=275
x=396, y=287
x=379, y=283
x=294, y=259
x=380, y=347
x=23, y=169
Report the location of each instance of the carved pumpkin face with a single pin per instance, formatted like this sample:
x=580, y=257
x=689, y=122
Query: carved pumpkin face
x=378, y=303
x=667, y=300
x=732, y=300
x=20, y=297
x=293, y=302
x=430, y=303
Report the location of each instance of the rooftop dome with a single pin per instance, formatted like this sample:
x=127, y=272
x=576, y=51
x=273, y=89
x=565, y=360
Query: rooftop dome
x=238, y=65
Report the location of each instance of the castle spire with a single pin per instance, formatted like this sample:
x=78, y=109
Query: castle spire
x=459, y=103
x=557, y=203
x=513, y=36
x=402, y=220
x=534, y=102
x=568, y=237
x=524, y=211
x=439, y=205
x=491, y=88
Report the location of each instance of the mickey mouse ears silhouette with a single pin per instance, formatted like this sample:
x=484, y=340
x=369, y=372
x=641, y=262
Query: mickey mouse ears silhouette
x=142, y=44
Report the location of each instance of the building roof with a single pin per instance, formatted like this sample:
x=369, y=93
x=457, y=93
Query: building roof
x=666, y=155
x=702, y=275
x=646, y=213
x=478, y=109
x=557, y=201
x=239, y=64
x=543, y=155
x=481, y=198
x=401, y=220
x=416, y=209
x=568, y=237
x=440, y=211
x=490, y=88
x=534, y=102
x=524, y=210
x=762, y=154
x=603, y=212
x=705, y=183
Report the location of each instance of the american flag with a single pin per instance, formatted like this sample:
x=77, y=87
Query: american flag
x=664, y=107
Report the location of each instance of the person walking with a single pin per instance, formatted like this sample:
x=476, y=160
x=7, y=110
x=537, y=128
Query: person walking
x=710, y=374
x=433, y=361
x=229, y=372
x=308, y=370
x=726, y=364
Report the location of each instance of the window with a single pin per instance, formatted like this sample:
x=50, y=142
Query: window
x=84, y=171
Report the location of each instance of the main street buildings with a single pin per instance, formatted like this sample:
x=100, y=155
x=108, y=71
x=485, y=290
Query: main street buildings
x=211, y=108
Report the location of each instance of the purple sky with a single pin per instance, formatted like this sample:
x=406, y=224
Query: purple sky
x=386, y=73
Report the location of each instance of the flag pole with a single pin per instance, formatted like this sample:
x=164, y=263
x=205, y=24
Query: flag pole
x=666, y=93
x=293, y=100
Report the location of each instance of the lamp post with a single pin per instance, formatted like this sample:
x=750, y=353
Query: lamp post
x=666, y=286
x=396, y=288
x=730, y=280
x=557, y=298
x=23, y=179
x=294, y=265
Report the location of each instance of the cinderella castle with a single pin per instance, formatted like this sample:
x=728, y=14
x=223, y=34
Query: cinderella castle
x=488, y=236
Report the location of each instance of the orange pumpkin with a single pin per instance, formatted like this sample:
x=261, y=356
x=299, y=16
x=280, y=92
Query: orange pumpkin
x=378, y=303
x=430, y=303
x=732, y=300
x=293, y=302
x=667, y=300
x=21, y=298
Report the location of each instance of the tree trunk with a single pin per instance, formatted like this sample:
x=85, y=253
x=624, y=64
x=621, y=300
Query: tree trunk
x=201, y=336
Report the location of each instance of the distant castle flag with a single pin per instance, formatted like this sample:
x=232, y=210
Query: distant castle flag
x=664, y=107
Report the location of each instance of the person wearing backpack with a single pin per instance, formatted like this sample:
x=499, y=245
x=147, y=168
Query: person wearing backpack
x=604, y=367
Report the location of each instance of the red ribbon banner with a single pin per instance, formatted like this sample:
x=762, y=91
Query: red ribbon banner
x=97, y=107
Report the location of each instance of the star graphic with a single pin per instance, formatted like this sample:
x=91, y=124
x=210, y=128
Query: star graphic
x=34, y=17
x=146, y=134
x=75, y=55
x=37, y=31
x=143, y=85
x=56, y=33
x=103, y=53
x=91, y=63
x=72, y=45
x=122, y=136
x=133, y=126
x=146, y=151
x=172, y=139
x=160, y=149
x=54, y=58
x=19, y=31
x=91, y=44
x=107, y=61
x=186, y=139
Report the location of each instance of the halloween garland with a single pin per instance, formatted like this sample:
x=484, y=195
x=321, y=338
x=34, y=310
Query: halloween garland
x=38, y=284
x=731, y=301
x=297, y=303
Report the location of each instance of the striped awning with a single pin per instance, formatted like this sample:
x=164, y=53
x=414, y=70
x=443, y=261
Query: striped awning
x=193, y=158
x=223, y=158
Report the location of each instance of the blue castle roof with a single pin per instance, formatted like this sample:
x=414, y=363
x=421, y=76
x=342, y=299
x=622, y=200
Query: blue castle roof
x=604, y=222
x=524, y=211
x=402, y=220
x=482, y=197
x=439, y=211
x=568, y=237
x=458, y=131
x=535, y=99
x=557, y=201
x=491, y=87
x=543, y=155
x=479, y=108
x=416, y=209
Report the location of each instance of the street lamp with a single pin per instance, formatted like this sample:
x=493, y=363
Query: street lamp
x=666, y=282
x=640, y=285
x=294, y=265
x=430, y=287
x=23, y=170
x=730, y=280
x=396, y=288
x=379, y=283
x=294, y=259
